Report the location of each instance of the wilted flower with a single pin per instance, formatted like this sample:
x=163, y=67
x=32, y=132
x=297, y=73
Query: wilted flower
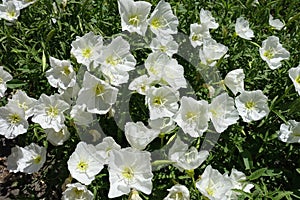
x=4, y=77
x=290, y=132
x=129, y=169
x=252, y=105
x=275, y=23
x=198, y=33
x=81, y=116
x=242, y=29
x=77, y=191
x=57, y=137
x=178, y=192
x=207, y=19
x=192, y=116
x=84, y=163
x=134, y=15
x=272, y=52
x=294, y=74
x=164, y=124
x=234, y=80
x=9, y=11
x=29, y=159
x=165, y=45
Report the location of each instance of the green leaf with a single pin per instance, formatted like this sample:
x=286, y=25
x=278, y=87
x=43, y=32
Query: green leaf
x=282, y=194
x=257, y=174
x=15, y=83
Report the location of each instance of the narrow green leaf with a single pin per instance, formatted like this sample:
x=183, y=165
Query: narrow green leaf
x=257, y=174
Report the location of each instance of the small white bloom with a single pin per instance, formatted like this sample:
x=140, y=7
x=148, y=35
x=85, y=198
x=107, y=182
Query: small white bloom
x=97, y=95
x=29, y=159
x=81, y=116
x=252, y=105
x=138, y=135
x=61, y=75
x=21, y=4
x=140, y=84
x=165, y=44
x=275, y=23
x=9, y=11
x=104, y=148
x=77, y=191
x=48, y=112
x=211, y=51
x=134, y=15
x=234, y=80
x=272, y=52
x=207, y=19
x=290, y=132
x=198, y=33
x=178, y=192
x=222, y=112
x=294, y=74
x=84, y=163
x=129, y=169
x=12, y=121
x=192, y=116
x=4, y=77
x=242, y=29
x=162, y=102
x=86, y=49
x=57, y=138
x=162, y=20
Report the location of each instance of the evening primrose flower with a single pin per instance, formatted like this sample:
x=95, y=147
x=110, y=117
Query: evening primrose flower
x=192, y=116
x=165, y=44
x=294, y=74
x=207, y=19
x=57, y=138
x=178, y=192
x=104, y=148
x=140, y=84
x=198, y=33
x=4, y=77
x=134, y=15
x=29, y=159
x=211, y=51
x=290, y=132
x=272, y=52
x=61, y=75
x=242, y=29
x=77, y=191
x=138, y=135
x=84, y=163
x=48, y=112
x=162, y=102
x=275, y=23
x=222, y=112
x=116, y=60
x=9, y=11
x=97, y=95
x=252, y=105
x=129, y=169
x=162, y=20
x=86, y=49
x=234, y=80
x=12, y=121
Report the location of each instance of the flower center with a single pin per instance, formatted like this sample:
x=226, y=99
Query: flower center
x=82, y=166
x=298, y=79
x=158, y=100
x=196, y=37
x=134, y=20
x=23, y=105
x=163, y=48
x=190, y=155
x=177, y=196
x=52, y=111
x=1, y=80
x=87, y=52
x=14, y=118
x=191, y=115
x=127, y=173
x=112, y=61
x=99, y=89
x=11, y=14
x=156, y=23
x=66, y=71
x=37, y=159
x=250, y=105
x=78, y=193
x=153, y=70
x=269, y=53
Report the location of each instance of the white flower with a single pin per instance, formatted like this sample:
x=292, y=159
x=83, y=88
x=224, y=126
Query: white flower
x=81, y=116
x=134, y=15
x=9, y=11
x=178, y=192
x=165, y=44
x=97, y=95
x=198, y=33
x=70, y=94
x=86, y=49
x=211, y=51
x=4, y=77
x=104, y=148
x=186, y=158
x=290, y=132
x=29, y=159
x=242, y=29
x=116, y=60
x=275, y=23
x=48, y=112
x=138, y=135
x=192, y=116
x=162, y=102
x=57, y=137
x=61, y=75
x=140, y=84
x=164, y=124
x=162, y=20
x=207, y=19
x=12, y=121
x=213, y=184
x=84, y=163
x=222, y=112
x=77, y=191
x=134, y=195
x=129, y=169
x=272, y=52
x=21, y=4
x=234, y=80
x=252, y=105
x=294, y=74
